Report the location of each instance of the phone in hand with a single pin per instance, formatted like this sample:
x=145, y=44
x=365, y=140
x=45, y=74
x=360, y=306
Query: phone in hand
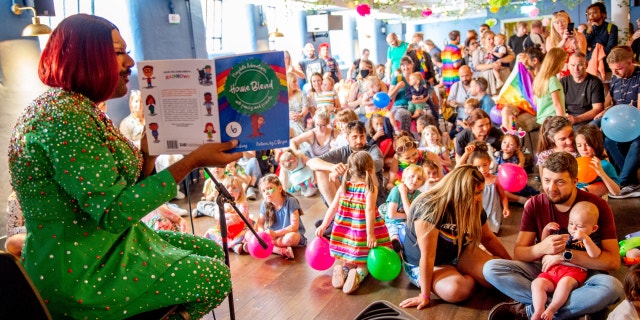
x=570, y=27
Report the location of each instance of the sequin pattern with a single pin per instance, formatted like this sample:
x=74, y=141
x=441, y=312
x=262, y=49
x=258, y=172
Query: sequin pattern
x=77, y=179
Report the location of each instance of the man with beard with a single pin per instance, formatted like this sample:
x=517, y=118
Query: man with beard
x=459, y=92
x=331, y=166
x=598, y=31
x=311, y=63
x=532, y=255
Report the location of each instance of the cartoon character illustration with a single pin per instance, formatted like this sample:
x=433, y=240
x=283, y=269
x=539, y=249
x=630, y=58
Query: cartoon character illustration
x=204, y=75
x=208, y=102
x=151, y=104
x=147, y=71
x=209, y=130
x=154, y=131
x=257, y=120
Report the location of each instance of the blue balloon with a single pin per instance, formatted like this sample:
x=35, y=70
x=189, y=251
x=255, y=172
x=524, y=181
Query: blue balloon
x=381, y=100
x=621, y=123
x=306, y=88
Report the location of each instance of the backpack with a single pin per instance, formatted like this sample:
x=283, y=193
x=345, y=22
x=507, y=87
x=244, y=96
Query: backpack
x=529, y=41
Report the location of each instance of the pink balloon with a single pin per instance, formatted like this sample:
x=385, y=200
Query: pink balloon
x=546, y=22
x=256, y=250
x=512, y=177
x=427, y=12
x=317, y=254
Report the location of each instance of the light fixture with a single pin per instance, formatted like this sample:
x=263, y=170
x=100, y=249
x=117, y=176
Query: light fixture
x=34, y=29
x=276, y=34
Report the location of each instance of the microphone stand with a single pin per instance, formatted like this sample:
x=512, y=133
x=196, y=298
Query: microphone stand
x=225, y=197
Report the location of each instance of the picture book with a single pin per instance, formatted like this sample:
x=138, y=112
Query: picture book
x=190, y=102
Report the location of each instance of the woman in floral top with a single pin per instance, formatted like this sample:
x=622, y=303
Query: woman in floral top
x=83, y=189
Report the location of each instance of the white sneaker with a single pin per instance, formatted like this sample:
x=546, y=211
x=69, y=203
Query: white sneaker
x=309, y=192
x=179, y=195
x=630, y=191
x=251, y=193
x=177, y=210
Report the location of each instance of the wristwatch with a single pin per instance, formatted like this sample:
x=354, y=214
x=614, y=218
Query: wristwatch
x=567, y=256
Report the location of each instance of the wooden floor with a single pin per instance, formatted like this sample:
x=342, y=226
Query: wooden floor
x=275, y=288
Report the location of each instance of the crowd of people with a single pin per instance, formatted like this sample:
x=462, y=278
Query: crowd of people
x=416, y=174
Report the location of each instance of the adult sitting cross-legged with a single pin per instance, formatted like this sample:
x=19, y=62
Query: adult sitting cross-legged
x=533, y=255
x=330, y=166
x=624, y=89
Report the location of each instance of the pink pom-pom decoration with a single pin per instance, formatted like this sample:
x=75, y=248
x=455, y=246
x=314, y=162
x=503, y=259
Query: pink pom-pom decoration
x=427, y=12
x=546, y=22
x=533, y=1
x=534, y=12
x=363, y=9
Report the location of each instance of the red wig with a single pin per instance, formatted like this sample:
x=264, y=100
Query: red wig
x=79, y=57
x=324, y=45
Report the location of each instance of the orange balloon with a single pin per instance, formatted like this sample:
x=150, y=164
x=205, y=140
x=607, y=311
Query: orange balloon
x=586, y=174
x=494, y=9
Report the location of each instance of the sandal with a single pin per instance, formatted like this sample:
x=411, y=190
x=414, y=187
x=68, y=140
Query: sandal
x=339, y=276
x=352, y=283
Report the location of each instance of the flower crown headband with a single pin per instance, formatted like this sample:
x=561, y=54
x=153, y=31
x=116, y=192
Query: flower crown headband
x=514, y=131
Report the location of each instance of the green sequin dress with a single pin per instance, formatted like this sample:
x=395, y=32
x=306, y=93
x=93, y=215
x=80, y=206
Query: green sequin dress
x=86, y=251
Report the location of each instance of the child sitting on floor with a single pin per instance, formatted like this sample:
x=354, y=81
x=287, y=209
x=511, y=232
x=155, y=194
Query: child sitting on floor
x=398, y=203
x=280, y=217
x=236, y=228
x=295, y=175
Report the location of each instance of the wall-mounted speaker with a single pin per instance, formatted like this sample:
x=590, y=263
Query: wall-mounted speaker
x=42, y=7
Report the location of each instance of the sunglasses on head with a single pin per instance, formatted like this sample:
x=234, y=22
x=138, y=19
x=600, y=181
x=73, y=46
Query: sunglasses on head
x=406, y=146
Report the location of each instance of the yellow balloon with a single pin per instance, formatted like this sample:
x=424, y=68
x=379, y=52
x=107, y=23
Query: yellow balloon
x=494, y=9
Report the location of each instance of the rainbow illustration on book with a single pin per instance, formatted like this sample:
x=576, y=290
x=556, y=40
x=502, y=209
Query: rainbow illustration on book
x=252, y=91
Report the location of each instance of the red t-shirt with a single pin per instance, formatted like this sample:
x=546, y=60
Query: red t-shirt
x=539, y=212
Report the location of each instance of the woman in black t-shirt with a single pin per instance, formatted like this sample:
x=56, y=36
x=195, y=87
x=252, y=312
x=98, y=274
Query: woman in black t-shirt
x=439, y=258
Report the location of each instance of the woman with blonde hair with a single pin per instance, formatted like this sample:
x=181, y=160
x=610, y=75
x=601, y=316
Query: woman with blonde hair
x=570, y=41
x=482, y=60
x=298, y=105
x=445, y=227
x=132, y=126
x=560, y=37
x=547, y=88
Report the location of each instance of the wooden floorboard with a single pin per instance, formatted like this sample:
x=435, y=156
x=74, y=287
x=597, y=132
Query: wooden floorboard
x=275, y=288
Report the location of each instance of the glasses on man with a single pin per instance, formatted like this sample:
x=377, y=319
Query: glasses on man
x=406, y=146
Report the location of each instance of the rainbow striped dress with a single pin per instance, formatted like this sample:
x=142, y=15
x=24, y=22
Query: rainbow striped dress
x=349, y=235
x=450, y=55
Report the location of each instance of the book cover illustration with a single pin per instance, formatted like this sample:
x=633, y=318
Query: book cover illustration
x=191, y=102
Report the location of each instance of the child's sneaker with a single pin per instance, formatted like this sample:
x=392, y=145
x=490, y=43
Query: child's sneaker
x=339, y=276
x=251, y=193
x=309, y=192
x=352, y=283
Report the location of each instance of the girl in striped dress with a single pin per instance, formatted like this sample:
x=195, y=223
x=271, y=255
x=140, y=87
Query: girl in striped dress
x=358, y=226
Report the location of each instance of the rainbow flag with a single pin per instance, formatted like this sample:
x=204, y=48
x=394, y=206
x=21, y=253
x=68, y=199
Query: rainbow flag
x=518, y=90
